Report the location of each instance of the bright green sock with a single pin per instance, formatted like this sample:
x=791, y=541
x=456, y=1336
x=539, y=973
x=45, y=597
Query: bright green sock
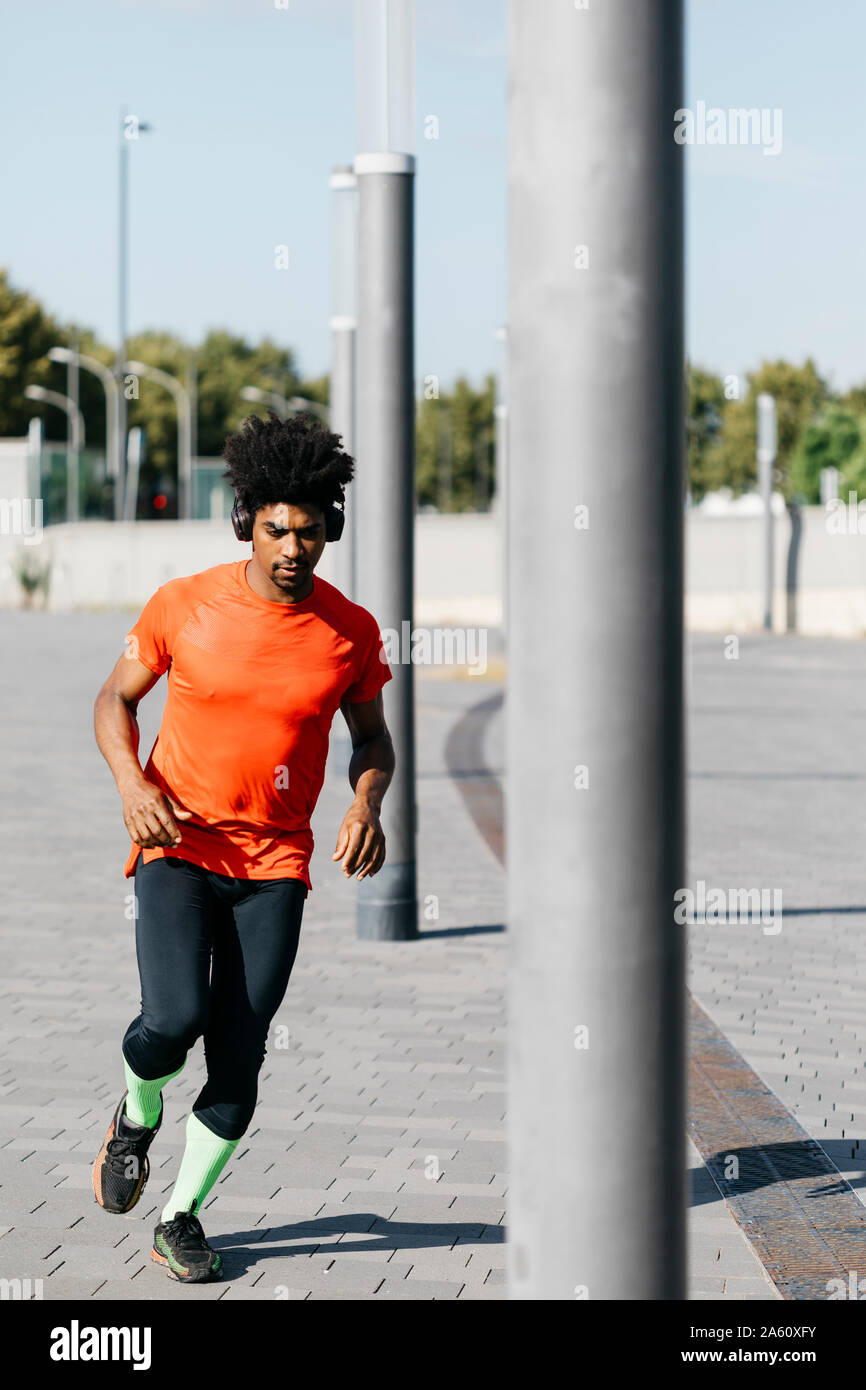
x=142, y=1102
x=204, y=1158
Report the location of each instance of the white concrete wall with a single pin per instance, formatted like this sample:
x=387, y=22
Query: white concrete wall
x=13, y=469
x=458, y=571
x=103, y=564
x=724, y=568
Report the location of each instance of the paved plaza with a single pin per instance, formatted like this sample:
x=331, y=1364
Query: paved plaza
x=375, y=1166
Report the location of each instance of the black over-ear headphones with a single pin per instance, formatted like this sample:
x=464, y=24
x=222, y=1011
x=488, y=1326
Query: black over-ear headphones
x=335, y=520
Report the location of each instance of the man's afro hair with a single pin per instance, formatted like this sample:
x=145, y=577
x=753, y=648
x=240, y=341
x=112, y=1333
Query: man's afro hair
x=296, y=460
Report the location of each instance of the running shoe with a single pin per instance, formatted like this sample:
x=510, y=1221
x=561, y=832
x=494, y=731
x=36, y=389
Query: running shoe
x=180, y=1244
x=122, y=1166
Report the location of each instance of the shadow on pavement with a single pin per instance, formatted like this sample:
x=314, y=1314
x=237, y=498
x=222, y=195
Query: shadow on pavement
x=737, y=1172
x=243, y=1249
x=460, y=931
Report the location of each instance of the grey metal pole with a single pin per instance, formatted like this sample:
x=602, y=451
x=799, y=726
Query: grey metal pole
x=192, y=391
x=184, y=437
x=343, y=323
x=344, y=238
x=343, y=423
x=500, y=414
x=445, y=435
x=385, y=503
x=74, y=470
x=767, y=443
x=75, y=431
x=120, y=364
x=133, y=470
x=184, y=510
x=71, y=430
x=130, y=129
x=594, y=819
x=109, y=382
x=34, y=458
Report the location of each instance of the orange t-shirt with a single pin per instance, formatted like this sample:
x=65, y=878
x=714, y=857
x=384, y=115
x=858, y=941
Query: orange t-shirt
x=253, y=687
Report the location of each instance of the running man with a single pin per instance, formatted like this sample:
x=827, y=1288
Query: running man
x=260, y=655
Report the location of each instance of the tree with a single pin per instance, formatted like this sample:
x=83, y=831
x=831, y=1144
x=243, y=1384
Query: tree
x=227, y=363
x=834, y=439
x=224, y=364
x=454, y=446
x=854, y=400
x=799, y=393
x=155, y=411
x=704, y=416
x=26, y=334
x=853, y=467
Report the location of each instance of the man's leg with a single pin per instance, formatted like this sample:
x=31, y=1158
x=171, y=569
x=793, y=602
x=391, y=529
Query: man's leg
x=175, y=915
x=253, y=955
x=144, y=1098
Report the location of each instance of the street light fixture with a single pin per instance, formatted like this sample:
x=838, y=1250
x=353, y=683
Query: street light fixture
x=130, y=129
x=65, y=403
x=284, y=407
x=272, y=398
x=303, y=403
x=184, y=437
x=109, y=382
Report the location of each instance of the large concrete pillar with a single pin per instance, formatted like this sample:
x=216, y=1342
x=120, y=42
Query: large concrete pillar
x=594, y=828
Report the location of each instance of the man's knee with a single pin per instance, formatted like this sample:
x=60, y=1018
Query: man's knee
x=239, y=1054
x=230, y=1094
x=226, y=1110
x=170, y=1035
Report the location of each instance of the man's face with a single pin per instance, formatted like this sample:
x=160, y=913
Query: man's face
x=288, y=542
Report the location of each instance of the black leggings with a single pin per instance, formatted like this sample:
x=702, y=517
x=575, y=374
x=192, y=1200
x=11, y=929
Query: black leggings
x=251, y=928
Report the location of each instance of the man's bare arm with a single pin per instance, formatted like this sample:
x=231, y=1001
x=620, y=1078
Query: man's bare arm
x=148, y=814
x=361, y=838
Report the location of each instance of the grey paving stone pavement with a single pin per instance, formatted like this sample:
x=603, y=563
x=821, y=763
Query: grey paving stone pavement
x=778, y=776
x=375, y=1164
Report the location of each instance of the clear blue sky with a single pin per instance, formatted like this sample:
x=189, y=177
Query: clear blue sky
x=251, y=107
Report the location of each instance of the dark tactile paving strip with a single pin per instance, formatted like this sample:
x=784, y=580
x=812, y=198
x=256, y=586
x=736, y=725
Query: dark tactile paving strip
x=803, y=1220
